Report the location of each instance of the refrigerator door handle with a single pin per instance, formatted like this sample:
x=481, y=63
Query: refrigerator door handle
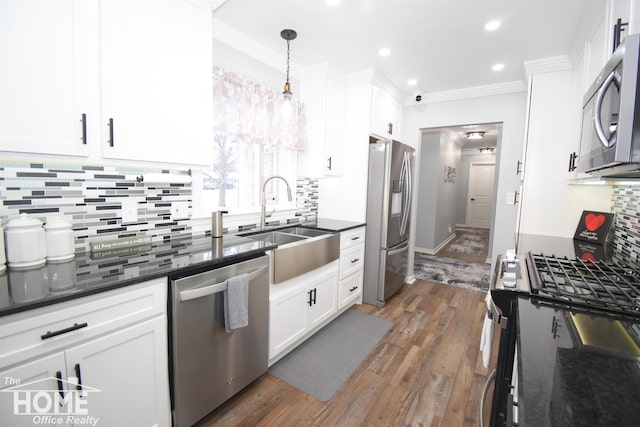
x=398, y=250
x=405, y=182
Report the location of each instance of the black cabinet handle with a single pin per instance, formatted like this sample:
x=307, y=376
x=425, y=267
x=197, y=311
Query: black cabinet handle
x=84, y=128
x=618, y=29
x=75, y=327
x=519, y=168
x=355, y=260
x=516, y=197
x=355, y=238
x=77, y=369
x=329, y=166
x=315, y=293
x=111, y=141
x=473, y=200
x=353, y=289
x=572, y=161
x=310, y=302
x=60, y=386
x=390, y=128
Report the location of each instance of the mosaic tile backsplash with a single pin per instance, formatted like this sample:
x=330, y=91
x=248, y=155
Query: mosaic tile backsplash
x=92, y=197
x=626, y=204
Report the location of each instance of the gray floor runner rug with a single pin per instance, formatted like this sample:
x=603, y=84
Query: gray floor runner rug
x=469, y=241
x=322, y=364
x=452, y=272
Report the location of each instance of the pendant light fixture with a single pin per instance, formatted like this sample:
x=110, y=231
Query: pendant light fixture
x=287, y=108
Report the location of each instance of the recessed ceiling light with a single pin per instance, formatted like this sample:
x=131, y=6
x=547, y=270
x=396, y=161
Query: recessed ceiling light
x=385, y=51
x=497, y=67
x=332, y=2
x=412, y=82
x=492, y=25
x=475, y=135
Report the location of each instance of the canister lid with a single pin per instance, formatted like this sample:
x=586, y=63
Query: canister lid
x=24, y=221
x=57, y=224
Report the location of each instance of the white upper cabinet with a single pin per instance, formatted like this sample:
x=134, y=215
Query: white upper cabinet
x=43, y=76
x=114, y=79
x=385, y=115
x=156, y=61
x=323, y=96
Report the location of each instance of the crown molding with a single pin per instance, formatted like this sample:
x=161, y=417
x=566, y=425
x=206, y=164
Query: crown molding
x=547, y=65
x=251, y=47
x=373, y=77
x=470, y=92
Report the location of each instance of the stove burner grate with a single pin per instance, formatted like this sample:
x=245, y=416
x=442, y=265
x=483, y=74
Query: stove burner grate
x=595, y=284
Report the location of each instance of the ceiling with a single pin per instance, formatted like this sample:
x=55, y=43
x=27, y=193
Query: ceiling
x=440, y=43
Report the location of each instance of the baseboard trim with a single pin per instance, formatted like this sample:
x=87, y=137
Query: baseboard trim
x=440, y=246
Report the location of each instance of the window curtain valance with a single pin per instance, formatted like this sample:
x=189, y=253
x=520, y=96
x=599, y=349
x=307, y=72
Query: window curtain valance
x=250, y=112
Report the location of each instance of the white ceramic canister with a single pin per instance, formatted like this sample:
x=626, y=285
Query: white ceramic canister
x=60, y=241
x=26, y=242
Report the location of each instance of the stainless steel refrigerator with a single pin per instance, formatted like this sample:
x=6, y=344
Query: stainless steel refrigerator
x=391, y=165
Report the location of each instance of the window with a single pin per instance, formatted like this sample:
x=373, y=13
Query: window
x=252, y=141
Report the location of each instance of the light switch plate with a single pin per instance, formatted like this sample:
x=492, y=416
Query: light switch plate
x=129, y=210
x=179, y=209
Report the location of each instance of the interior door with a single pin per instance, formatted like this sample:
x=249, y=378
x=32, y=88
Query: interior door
x=480, y=196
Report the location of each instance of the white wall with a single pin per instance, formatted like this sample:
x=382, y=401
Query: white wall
x=427, y=191
x=506, y=108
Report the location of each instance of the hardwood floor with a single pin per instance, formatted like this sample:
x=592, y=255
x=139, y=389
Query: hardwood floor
x=426, y=371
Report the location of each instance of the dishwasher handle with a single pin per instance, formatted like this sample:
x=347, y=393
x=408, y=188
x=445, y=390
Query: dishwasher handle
x=215, y=288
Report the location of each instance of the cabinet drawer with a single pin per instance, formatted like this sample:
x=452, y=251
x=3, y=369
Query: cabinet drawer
x=350, y=289
x=30, y=334
x=352, y=238
x=351, y=260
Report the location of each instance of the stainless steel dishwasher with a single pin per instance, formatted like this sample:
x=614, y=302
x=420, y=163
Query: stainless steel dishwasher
x=210, y=365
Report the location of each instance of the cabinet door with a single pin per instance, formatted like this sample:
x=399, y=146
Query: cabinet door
x=350, y=289
x=335, y=128
x=157, y=84
x=43, y=78
x=385, y=116
x=287, y=320
x=42, y=376
x=324, y=300
x=124, y=375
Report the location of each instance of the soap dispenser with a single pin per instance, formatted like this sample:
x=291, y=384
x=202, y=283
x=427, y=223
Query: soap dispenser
x=216, y=223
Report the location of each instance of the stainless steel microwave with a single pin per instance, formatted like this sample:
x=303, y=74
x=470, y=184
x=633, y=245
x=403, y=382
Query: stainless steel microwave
x=610, y=140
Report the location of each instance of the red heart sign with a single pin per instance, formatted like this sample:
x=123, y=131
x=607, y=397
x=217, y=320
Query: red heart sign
x=588, y=257
x=593, y=221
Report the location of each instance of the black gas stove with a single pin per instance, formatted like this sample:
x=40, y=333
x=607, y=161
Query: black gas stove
x=570, y=338
x=585, y=284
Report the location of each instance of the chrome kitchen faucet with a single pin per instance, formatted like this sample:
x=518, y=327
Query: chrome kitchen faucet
x=263, y=211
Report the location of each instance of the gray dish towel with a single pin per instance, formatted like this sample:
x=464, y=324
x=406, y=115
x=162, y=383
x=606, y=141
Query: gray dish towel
x=236, y=303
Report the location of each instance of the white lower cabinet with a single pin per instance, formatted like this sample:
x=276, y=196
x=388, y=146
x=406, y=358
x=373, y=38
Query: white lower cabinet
x=40, y=374
x=119, y=377
x=300, y=305
x=351, y=267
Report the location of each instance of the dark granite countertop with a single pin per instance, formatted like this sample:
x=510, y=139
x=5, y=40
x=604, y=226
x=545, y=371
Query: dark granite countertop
x=336, y=225
x=91, y=273
x=577, y=369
